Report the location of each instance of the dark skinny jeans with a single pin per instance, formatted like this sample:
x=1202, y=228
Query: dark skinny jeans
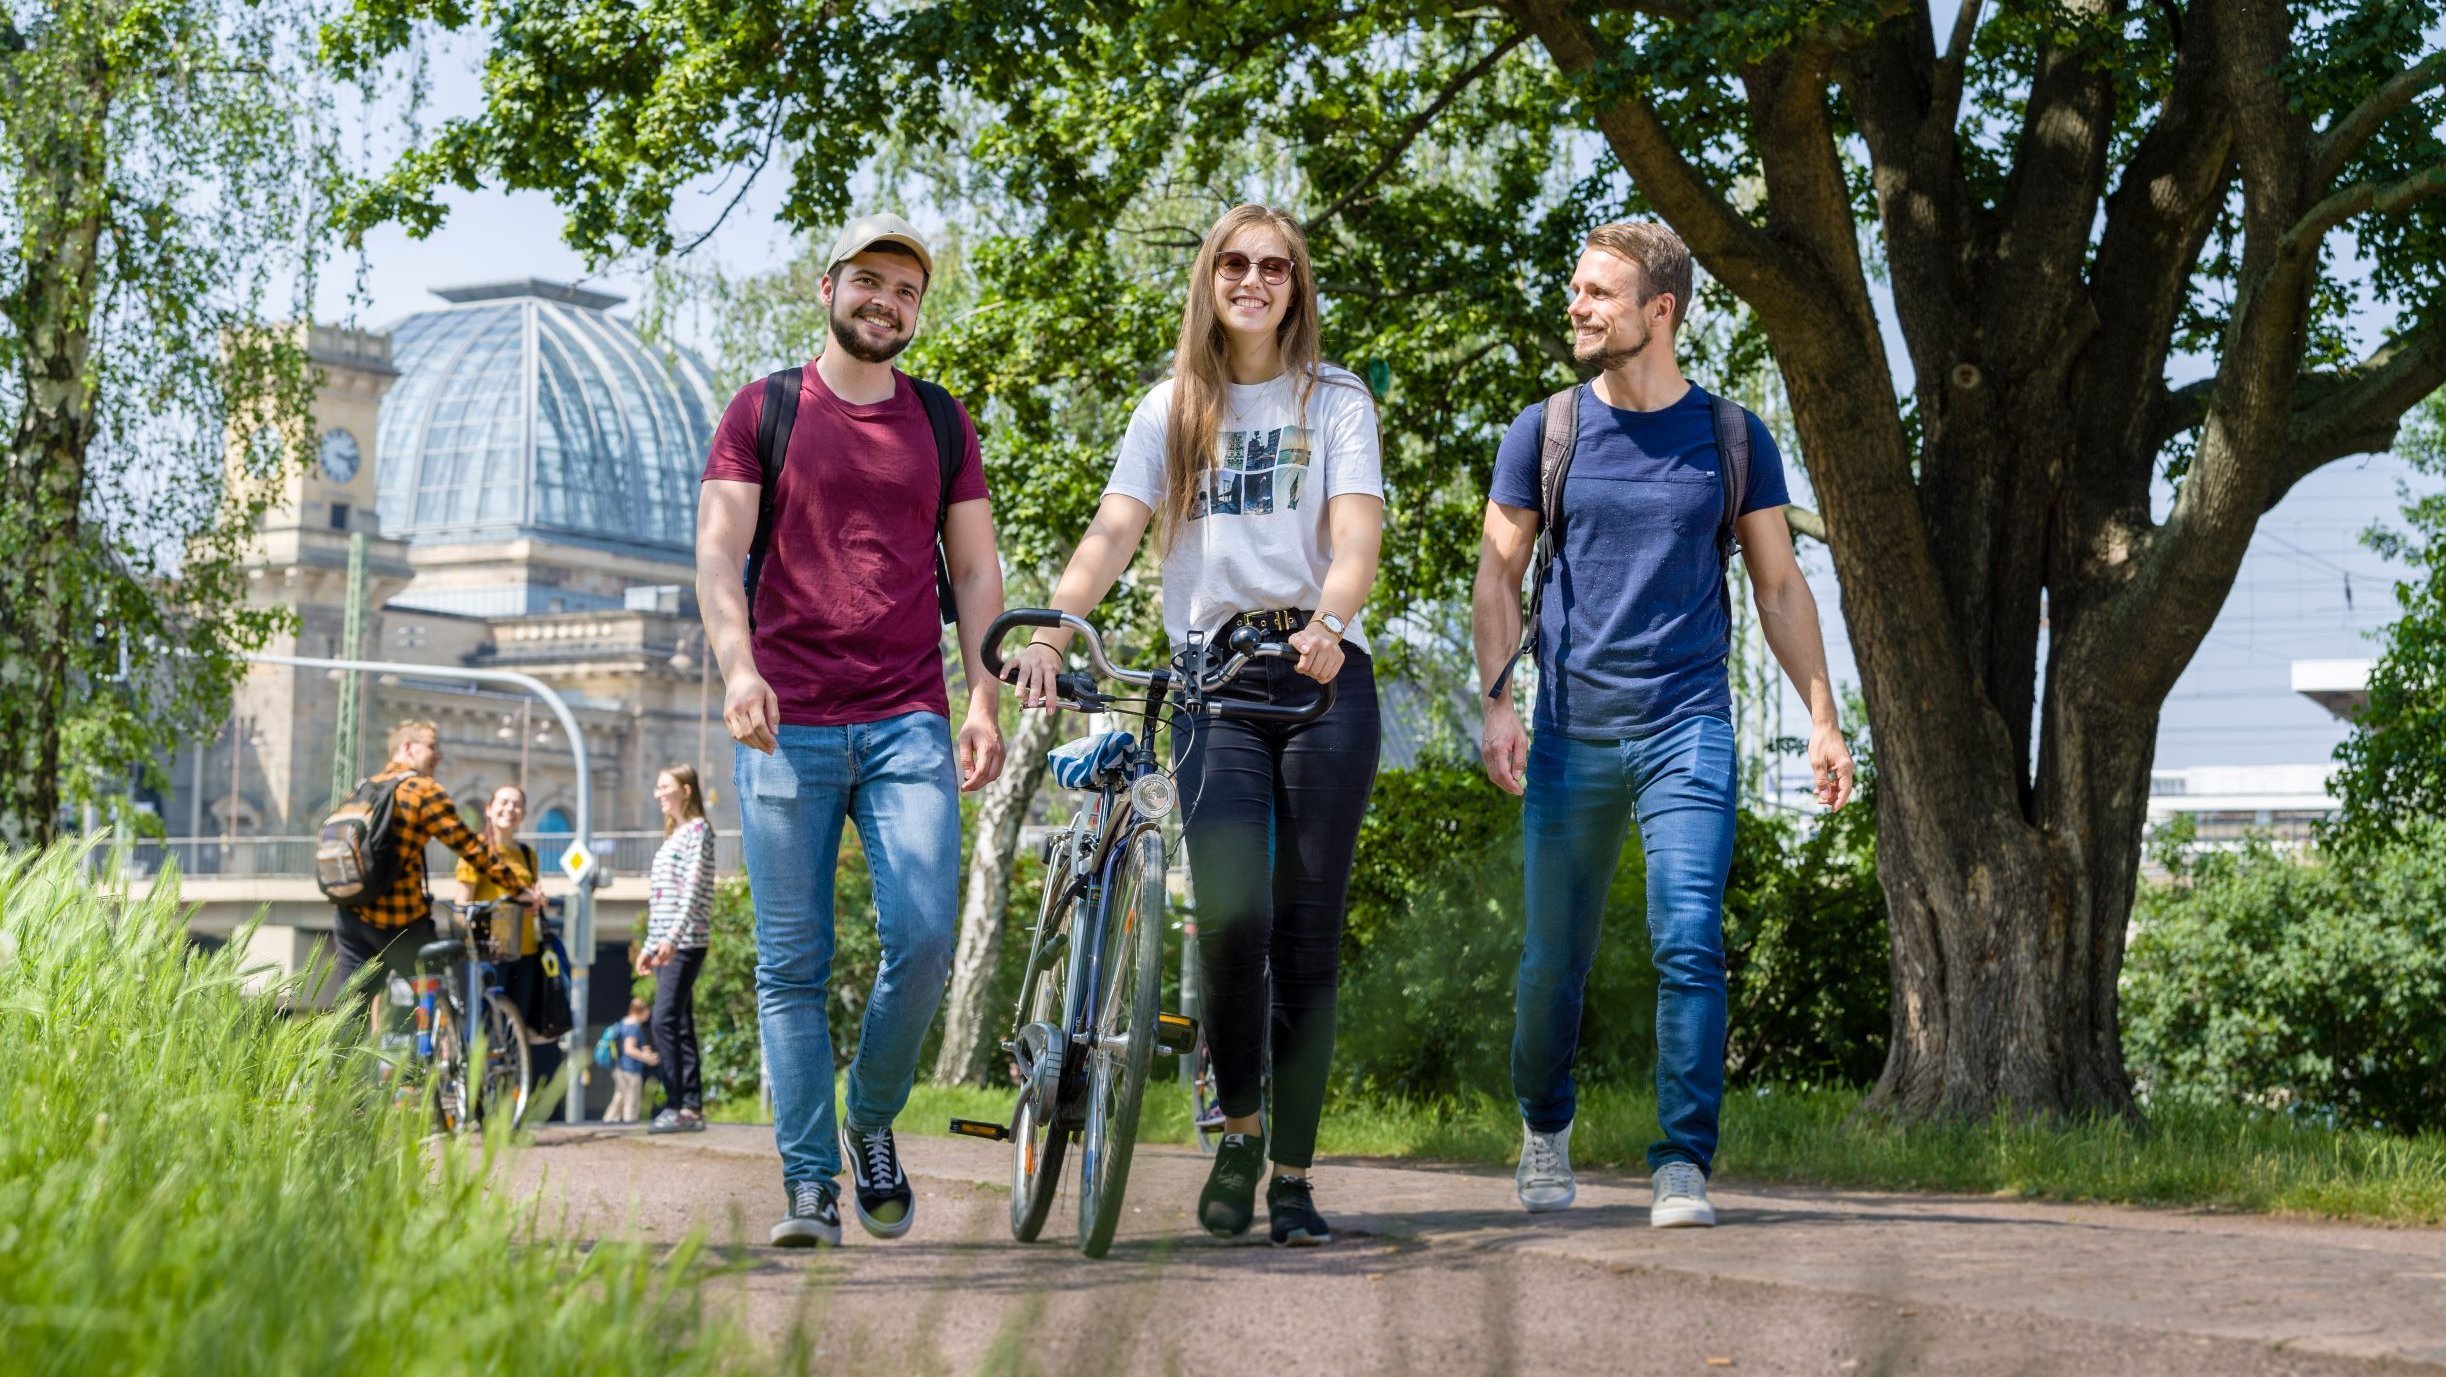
x=1272, y=823
x=674, y=1028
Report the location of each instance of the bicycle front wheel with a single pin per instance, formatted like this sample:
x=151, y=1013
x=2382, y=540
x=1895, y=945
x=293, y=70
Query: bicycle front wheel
x=509, y=1068
x=1123, y=1046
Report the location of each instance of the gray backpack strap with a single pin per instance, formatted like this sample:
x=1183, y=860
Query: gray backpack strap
x=1733, y=452
x=1558, y=437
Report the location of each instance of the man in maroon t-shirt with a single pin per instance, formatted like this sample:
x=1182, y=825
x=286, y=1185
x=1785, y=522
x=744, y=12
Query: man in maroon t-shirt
x=835, y=694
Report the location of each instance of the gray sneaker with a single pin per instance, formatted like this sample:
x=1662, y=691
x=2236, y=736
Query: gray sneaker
x=1544, y=1180
x=1679, y=1198
x=811, y=1215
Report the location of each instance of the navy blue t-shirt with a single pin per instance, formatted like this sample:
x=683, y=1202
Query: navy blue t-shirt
x=1632, y=638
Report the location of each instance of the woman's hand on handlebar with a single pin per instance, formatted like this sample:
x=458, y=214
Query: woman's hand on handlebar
x=1031, y=672
x=1320, y=652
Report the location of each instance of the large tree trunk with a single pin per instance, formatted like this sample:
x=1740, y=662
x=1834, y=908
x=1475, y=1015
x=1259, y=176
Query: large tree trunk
x=2008, y=934
x=969, y=1020
x=42, y=484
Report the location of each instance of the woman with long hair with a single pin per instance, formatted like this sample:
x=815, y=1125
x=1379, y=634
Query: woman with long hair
x=523, y=975
x=679, y=913
x=1258, y=465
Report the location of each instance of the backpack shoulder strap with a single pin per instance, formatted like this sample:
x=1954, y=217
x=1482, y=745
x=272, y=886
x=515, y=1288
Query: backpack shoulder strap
x=943, y=417
x=1733, y=455
x=1558, y=437
x=773, y=426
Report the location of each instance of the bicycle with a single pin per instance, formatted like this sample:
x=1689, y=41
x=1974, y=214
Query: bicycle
x=1082, y=1046
x=448, y=1039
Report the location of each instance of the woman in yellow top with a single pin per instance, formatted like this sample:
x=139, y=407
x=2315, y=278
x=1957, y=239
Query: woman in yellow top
x=523, y=978
x=507, y=809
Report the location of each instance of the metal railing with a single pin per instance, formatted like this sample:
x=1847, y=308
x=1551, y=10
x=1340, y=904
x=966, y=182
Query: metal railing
x=292, y=858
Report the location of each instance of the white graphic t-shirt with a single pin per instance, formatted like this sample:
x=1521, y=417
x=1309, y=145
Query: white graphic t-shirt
x=1256, y=538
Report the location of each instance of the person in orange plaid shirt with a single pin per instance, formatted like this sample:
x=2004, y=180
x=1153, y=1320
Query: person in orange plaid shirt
x=389, y=930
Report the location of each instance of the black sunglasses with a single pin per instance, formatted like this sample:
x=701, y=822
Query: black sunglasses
x=1232, y=265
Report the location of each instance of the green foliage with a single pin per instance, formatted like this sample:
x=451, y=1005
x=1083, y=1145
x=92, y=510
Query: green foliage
x=195, y=1179
x=163, y=168
x=2391, y=772
x=2312, y=986
x=1806, y=953
x=1435, y=930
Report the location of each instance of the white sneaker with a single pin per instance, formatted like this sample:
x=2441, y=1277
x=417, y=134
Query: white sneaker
x=1679, y=1198
x=1544, y=1180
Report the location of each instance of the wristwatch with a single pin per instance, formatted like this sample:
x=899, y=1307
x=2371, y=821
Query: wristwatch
x=1331, y=622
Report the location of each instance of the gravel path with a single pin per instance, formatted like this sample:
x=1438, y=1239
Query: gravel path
x=1436, y=1270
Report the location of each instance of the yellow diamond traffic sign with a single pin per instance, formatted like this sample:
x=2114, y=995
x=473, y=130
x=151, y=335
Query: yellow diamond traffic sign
x=578, y=862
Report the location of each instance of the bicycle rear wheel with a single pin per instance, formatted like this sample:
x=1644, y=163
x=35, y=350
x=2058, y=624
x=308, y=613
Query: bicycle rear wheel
x=1123, y=1046
x=1038, y=1139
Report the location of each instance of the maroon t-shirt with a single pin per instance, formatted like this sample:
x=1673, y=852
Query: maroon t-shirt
x=848, y=628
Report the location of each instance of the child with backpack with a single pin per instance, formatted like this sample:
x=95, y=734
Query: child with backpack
x=624, y=1049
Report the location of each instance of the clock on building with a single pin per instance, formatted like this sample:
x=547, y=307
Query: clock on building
x=340, y=456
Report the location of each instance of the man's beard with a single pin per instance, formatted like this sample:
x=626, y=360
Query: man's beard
x=844, y=330
x=1604, y=360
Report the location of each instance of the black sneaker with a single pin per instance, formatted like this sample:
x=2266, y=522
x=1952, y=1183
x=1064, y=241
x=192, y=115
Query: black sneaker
x=1229, y=1202
x=667, y=1120
x=1292, y=1212
x=809, y=1215
x=886, y=1205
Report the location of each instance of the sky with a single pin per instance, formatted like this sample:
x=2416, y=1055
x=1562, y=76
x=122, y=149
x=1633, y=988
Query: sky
x=2307, y=590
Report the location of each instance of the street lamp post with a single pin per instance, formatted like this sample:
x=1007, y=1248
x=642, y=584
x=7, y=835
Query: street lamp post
x=703, y=658
x=582, y=923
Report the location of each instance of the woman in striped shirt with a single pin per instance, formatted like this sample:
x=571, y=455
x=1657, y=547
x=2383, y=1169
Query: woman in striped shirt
x=679, y=908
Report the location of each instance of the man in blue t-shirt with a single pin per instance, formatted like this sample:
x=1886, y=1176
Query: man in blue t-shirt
x=1634, y=706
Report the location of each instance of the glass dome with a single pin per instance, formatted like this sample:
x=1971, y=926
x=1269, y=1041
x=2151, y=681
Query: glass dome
x=523, y=408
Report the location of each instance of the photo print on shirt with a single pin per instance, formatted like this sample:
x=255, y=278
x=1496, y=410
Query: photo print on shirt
x=1256, y=470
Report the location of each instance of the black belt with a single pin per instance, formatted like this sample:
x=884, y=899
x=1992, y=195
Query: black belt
x=1281, y=621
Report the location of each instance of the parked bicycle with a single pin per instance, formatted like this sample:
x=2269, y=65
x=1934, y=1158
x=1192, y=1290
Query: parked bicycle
x=1082, y=1044
x=478, y=1066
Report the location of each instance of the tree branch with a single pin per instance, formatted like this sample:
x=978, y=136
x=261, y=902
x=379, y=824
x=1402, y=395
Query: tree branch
x=1804, y=522
x=1417, y=126
x=2348, y=135
x=1945, y=100
x=1736, y=252
x=2357, y=199
x=2180, y=409
x=2358, y=410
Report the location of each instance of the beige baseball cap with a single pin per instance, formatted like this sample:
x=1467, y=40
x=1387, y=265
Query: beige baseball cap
x=867, y=231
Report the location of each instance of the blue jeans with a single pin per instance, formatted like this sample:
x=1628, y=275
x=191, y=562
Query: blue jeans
x=1581, y=796
x=897, y=779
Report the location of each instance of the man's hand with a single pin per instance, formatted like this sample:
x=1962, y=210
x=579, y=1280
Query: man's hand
x=750, y=711
x=1031, y=674
x=1505, y=747
x=980, y=749
x=1830, y=765
x=532, y=896
x=1320, y=652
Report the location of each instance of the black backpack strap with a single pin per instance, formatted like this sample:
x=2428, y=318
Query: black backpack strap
x=943, y=416
x=773, y=426
x=1558, y=437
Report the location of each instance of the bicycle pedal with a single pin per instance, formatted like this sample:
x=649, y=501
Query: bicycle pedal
x=978, y=1128
x=1176, y=1032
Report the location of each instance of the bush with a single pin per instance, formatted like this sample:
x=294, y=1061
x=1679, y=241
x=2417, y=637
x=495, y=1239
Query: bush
x=2306, y=985
x=1435, y=932
x=194, y=1180
x=1808, y=960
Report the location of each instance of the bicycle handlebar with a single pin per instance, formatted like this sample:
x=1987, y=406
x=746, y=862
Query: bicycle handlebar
x=1246, y=644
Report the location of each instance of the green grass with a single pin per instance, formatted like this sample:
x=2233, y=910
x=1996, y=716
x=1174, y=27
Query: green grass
x=192, y=1181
